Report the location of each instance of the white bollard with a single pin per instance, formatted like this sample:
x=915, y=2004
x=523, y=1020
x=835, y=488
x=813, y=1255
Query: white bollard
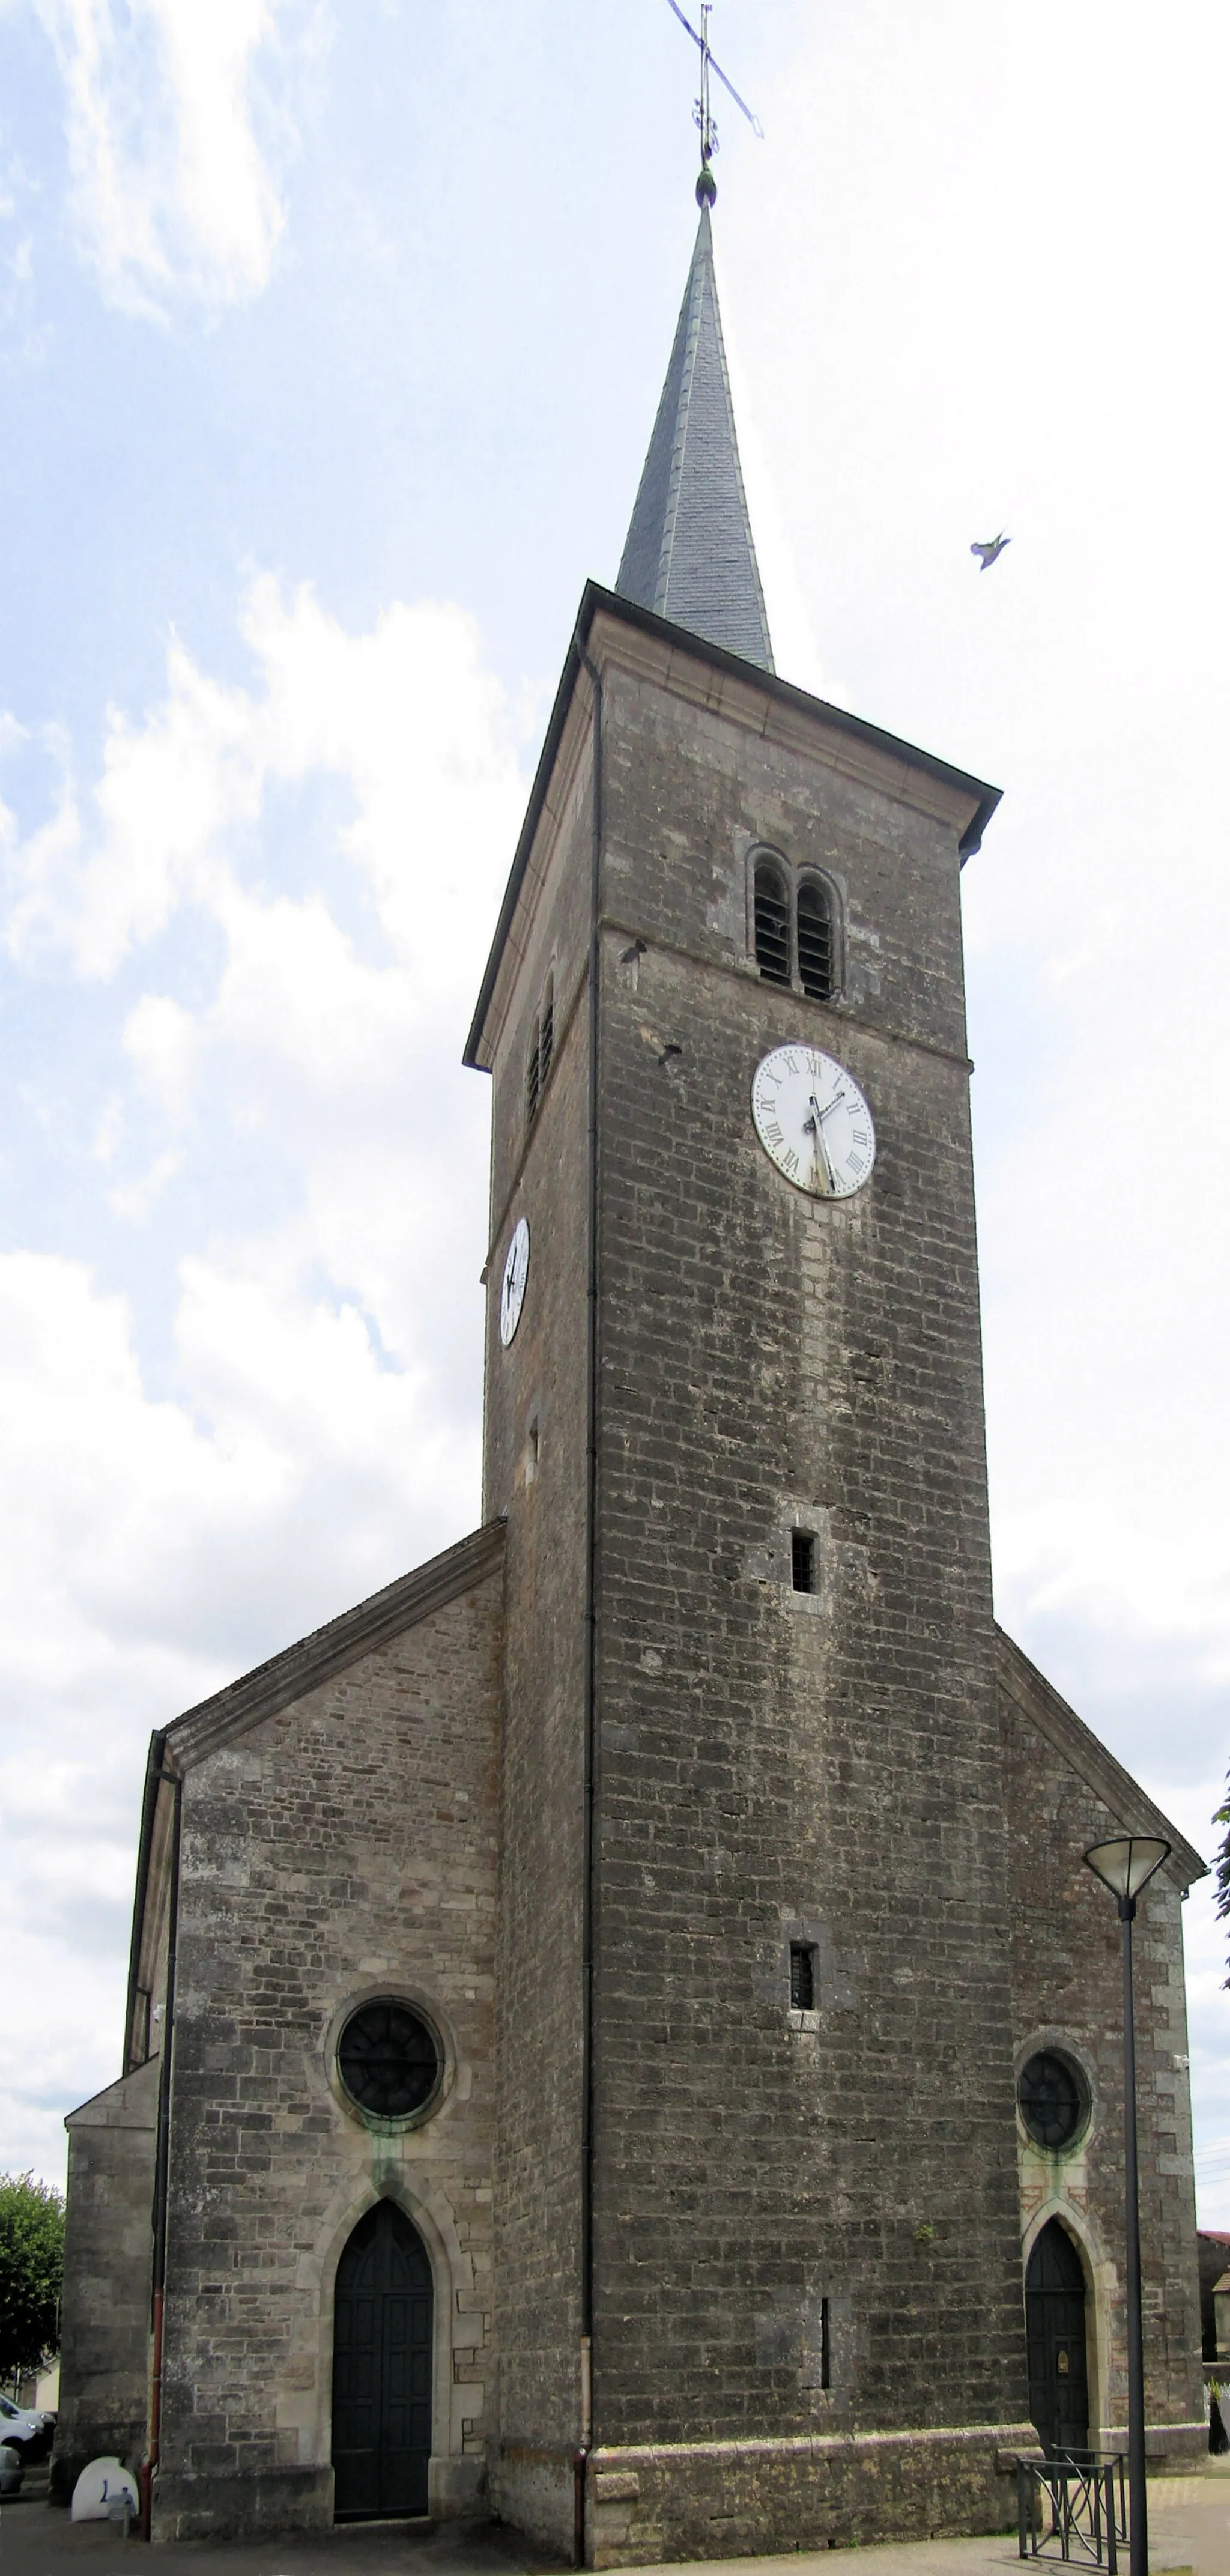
x=104, y=2491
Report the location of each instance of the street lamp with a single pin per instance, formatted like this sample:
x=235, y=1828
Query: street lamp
x=1125, y=1866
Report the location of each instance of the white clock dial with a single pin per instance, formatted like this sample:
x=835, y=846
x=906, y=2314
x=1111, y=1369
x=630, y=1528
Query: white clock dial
x=512, y=1290
x=813, y=1121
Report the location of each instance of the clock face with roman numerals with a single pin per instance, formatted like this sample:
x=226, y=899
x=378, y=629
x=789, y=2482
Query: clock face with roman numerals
x=813, y=1121
x=512, y=1286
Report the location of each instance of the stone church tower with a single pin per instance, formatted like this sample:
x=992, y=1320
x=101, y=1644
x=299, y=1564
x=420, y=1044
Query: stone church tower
x=685, y=2119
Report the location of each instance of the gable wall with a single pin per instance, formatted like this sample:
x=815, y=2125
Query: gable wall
x=343, y=1848
x=1068, y=1992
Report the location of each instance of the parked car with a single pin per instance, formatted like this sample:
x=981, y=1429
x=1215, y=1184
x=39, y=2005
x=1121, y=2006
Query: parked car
x=21, y=2430
x=12, y=2469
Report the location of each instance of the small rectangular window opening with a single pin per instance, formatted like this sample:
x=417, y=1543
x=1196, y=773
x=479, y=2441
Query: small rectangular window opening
x=802, y=1561
x=802, y=1977
x=826, y=2375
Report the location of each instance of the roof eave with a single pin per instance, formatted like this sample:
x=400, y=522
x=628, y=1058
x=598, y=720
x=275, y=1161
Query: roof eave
x=525, y=839
x=681, y=639
x=298, y=1669
x=155, y=1775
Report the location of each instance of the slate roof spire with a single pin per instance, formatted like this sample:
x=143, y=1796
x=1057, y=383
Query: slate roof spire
x=689, y=553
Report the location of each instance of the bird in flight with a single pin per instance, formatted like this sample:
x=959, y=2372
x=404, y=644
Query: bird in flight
x=987, y=553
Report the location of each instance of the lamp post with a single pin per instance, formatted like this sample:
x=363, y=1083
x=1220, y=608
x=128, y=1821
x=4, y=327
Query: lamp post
x=1125, y=1867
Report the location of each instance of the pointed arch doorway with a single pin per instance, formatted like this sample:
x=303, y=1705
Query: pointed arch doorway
x=382, y=2363
x=1055, y=2336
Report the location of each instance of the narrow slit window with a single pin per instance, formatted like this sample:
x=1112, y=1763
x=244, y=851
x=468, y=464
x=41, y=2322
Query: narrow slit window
x=546, y=1041
x=815, y=942
x=802, y=1977
x=532, y=1074
x=802, y=1561
x=771, y=911
x=826, y=2366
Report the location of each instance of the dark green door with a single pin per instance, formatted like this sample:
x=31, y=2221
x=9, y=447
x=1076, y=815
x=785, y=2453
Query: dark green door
x=382, y=2342
x=1055, y=2331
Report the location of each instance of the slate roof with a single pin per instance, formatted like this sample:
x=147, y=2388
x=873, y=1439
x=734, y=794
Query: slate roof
x=689, y=554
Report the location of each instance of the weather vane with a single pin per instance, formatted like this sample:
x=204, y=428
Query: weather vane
x=706, y=185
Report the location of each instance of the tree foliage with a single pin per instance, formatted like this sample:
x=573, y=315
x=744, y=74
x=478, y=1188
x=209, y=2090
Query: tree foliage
x=1221, y=1865
x=31, y=2271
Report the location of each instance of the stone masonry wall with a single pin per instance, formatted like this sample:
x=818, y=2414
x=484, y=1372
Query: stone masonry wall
x=342, y=1849
x=664, y=2502
x=804, y=2223
x=105, y=2320
x=1068, y=1993
x=535, y=1472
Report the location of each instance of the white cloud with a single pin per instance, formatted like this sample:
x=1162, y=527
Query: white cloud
x=405, y=717
x=160, y=1042
x=332, y=952
x=135, y=1200
x=170, y=141
x=279, y=898
x=169, y=793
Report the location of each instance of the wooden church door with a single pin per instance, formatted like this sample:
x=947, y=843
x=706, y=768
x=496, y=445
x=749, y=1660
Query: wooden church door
x=382, y=2356
x=1055, y=2333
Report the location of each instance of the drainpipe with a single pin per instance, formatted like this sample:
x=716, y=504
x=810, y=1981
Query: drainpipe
x=591, y=1644
x=161, y=2164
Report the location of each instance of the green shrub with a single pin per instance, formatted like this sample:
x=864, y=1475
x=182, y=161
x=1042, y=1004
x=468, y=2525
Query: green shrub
x=31, y=2272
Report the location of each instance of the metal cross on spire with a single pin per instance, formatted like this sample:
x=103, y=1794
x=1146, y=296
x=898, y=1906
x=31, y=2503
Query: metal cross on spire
x=706, y=185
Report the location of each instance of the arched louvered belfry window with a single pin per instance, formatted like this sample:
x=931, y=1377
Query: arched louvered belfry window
x=533, y=1079
x=546, y=1033
x=771, y=919
x=815, y=940
x=540, y=1050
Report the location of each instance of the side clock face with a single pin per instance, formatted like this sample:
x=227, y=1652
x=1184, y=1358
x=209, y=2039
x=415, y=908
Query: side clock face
x=512, y=1289
x=813, y=1121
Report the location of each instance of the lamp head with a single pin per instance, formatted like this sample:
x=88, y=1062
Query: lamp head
x=1126, y=1865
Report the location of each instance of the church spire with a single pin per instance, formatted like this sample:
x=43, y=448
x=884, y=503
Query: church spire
x=689, y=553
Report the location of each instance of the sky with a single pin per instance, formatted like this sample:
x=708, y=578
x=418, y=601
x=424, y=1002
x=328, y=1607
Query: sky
x=330, y=343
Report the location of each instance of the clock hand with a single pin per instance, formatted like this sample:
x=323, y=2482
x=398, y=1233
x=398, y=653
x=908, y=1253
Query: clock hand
x=816, y=1123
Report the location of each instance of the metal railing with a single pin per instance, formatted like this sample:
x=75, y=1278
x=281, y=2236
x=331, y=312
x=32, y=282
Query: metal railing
x=1073, y=2506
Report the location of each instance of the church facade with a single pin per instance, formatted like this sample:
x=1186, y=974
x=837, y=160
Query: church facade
x=620, y=2032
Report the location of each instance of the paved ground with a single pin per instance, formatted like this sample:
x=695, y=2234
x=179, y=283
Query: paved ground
x=1189, y=2528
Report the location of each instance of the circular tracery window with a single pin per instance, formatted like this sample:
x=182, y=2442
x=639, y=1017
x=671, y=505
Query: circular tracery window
x=389, y=2059
x=1053, y=2100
